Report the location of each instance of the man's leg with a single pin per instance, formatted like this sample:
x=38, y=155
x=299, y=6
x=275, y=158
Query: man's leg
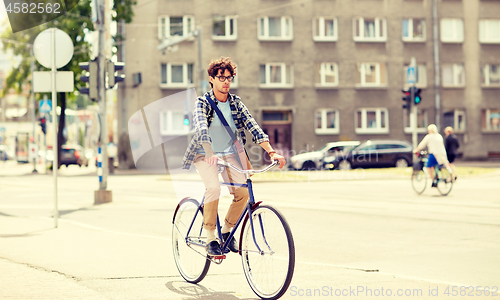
x=210, y=178
x=430, y=170
x=240, y=194
x=240, y=198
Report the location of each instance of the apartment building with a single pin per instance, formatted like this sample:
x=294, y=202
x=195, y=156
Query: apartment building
x=317, y=71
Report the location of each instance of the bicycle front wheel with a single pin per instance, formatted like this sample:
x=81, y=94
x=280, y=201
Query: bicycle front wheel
x=189, y=259
x=419, y=181
x=268, y=253
x=445, y=182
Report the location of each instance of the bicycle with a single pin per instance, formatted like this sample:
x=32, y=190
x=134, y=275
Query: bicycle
x=442, y=176
x=266, y=244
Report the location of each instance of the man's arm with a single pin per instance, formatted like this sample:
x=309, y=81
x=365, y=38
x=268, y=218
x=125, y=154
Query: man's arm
x=210, y=158
x=422, y=144
x=272, y=154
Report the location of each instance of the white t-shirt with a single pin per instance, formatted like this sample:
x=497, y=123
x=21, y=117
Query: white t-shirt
x=435, y=145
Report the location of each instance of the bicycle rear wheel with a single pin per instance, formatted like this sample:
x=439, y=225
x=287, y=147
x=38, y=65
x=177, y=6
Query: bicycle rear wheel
x=419, y=181
x=270, y=270
x=445, y=182
x=190, y=260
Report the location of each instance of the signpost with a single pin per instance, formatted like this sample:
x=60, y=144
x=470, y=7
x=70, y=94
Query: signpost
x=45, y=106
x=53, y=49
x=411, y=79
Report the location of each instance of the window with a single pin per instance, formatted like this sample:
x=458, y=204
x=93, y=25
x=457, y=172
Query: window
x=413, y=30
x=455, y=119
x=370, y=30
x=490, y=75
x=489, y=31
x=276, y=75
x=371, y=75
x=172, y=123
x=371, y=120
x=275, y=28
x=327, y=121
x=174, y=26
x=176, y=75
x=491, y=119
x=327, y=74
x=422, y=121
x=325, y=29
x=452, y=30
x=420, y=74
x=277, y=117
x=224, y=28
x=453, y=75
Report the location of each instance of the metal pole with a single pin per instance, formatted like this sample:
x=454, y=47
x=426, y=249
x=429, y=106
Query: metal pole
x=200, y=68
x=413, y=120
x=55, y=163
x=102, y=97
x=437, y=97
x=32, y=69
x=413, y=114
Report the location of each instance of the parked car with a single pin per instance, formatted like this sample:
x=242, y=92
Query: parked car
x=73, y=155
x=70, y=155
x=373, y=154
x=313, y=160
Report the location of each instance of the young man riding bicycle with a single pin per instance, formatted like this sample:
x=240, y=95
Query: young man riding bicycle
x=212, y=142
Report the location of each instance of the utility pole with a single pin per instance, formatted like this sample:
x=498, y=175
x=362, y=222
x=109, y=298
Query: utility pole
x=437, y=97
x=413, y=115
x=102, y=195
x=33, y=102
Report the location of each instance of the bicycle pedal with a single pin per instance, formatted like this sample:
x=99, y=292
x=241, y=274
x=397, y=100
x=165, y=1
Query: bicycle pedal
x=218, y=257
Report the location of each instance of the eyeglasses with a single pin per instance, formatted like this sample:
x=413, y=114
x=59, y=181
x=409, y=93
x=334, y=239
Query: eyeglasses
x=223, y=78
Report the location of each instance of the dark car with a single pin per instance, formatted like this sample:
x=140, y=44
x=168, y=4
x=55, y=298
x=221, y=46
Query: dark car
x=73, y=155
x=373, y=154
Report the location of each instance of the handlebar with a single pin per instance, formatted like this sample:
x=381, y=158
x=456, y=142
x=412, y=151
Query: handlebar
x=421, y=153
x=227, y=164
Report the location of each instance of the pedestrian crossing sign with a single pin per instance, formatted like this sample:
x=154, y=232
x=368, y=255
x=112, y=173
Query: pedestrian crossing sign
x=410, y=75
x=45, y=106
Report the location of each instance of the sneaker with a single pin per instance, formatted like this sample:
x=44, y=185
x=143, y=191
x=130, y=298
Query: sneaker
x=232, y=243
x=434, y=183
x=213, y=248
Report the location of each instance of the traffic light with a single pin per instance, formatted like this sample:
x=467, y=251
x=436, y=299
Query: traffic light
x=92, y=77
x=407, y=99
x=43, y=124
x=111, y=68
x=186, y=119
x=416, y=96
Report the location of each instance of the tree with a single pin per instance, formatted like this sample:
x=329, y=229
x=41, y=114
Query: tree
x=77, y=24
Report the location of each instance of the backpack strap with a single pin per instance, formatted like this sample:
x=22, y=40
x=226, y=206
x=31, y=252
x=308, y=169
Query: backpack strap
x=241, y=151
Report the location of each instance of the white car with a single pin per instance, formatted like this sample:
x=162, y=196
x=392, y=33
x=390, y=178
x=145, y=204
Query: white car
x=312, y=160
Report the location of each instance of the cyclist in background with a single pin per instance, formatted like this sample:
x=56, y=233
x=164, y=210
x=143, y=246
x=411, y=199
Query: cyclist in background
x=437, y=152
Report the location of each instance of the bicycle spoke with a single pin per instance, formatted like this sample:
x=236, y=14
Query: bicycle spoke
x=191, y=263
x=269, y=273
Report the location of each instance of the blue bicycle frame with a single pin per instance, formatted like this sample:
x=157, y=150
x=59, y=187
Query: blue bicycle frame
x=251, y=205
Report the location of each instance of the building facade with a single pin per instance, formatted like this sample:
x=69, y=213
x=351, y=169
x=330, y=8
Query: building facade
x=318, y=71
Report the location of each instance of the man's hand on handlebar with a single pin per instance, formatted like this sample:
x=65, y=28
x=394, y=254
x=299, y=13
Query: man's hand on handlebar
x=279, y=158
x=211, y=160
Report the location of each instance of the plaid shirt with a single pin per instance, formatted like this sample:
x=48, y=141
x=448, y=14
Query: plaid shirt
x=203, y=116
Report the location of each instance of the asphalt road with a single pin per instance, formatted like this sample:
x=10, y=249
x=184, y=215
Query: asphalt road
x=355, y=238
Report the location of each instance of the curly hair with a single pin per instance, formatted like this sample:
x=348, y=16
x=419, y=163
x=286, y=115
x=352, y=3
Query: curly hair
x=223, y=63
